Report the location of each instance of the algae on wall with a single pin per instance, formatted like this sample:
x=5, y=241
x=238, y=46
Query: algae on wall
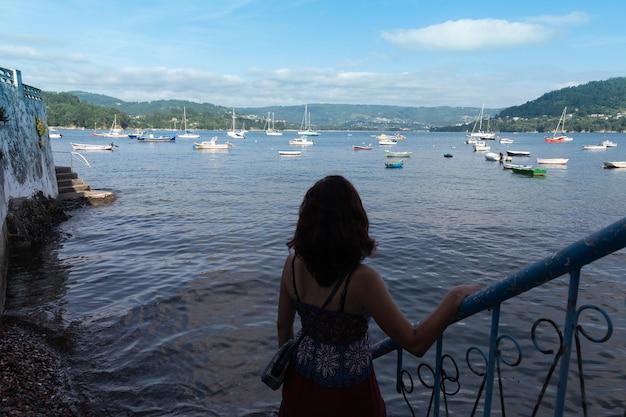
x=26, y=159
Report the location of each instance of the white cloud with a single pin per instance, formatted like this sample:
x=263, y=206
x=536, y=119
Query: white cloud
x=476, y=34
x=569, y=19
x=15, y=52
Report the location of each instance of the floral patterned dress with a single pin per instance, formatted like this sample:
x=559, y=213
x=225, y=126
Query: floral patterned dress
x=331, y=372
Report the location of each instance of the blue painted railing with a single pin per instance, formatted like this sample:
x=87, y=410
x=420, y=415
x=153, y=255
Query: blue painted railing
x=569, y=260
x=13, y=78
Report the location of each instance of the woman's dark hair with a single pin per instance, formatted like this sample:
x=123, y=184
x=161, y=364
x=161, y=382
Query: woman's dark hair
x=332, y=231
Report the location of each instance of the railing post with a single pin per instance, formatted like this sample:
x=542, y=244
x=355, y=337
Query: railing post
x=493, y=345
x=437, y=380
x=566, y=347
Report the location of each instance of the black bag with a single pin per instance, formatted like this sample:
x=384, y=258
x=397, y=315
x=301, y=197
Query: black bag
x=274, y=373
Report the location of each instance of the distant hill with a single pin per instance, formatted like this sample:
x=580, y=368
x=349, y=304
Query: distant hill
x=324, y=116
x=596, y=97
x=595, y=106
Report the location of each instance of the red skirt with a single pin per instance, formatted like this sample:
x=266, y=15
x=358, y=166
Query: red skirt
x=304, y=398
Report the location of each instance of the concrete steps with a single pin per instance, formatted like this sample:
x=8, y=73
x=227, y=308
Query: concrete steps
x=73, y=188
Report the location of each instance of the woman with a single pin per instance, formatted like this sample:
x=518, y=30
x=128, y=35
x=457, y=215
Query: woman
x=331, y=372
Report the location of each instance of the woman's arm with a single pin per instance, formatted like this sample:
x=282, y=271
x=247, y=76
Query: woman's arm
x=377, y=300
x=286, y=309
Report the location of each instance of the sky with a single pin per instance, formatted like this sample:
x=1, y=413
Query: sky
x=256, y=53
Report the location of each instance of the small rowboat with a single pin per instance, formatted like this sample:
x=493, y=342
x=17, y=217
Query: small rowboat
x=395, y=163
x=156, y=138
x=530, y=171
x=552, y=161
x=362, y=147
x=392, y=154
x=289, y=153
x=91, y=147
x=508, y=165
x=517, y=153
x=614, y=164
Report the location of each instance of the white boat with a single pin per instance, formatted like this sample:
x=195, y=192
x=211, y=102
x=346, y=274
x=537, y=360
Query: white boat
x=403, y=154
x=187, y=134
x=506, y=141
x=269, y=126
x=115, y=131
x=594, y=147
x=302, y=141
x=559, y=132
x=92, y=147
x=552, y=161
x=517, y=153
x=497, y=157
x=305, y=127
x=396, y=136
x=480, y=135
x=137, y=133
x=608, y=143
x=362, y=147
x=151, y=137
x=509, y=165
x=234, y=133
x=54, y=134
x=615, y=164
x=480, y=145
x=387, y=142
x=212, y=144
x=289, y=153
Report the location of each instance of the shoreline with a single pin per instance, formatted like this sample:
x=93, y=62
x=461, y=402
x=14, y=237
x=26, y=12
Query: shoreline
x=33, y=380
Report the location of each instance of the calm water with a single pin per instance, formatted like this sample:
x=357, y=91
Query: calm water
x=169, y=293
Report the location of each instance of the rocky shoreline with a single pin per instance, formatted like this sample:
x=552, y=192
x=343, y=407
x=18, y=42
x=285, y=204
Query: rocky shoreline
x=32, y=377
x=33, y=372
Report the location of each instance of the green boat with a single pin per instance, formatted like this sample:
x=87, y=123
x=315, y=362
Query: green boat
x=529, y=171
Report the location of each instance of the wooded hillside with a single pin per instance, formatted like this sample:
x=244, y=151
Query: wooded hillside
x=595, y=106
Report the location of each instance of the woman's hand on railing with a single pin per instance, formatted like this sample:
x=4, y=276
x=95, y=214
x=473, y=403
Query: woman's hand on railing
x=460, y=292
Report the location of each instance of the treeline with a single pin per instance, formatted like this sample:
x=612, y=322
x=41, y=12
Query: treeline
x=606, y=98
x=598, y=106
x=593, y=107
x=168, y=114
x=573, y=123
x=66, y=109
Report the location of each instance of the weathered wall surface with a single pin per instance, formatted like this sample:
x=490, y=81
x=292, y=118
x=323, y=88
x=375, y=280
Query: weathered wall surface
x=26, y=162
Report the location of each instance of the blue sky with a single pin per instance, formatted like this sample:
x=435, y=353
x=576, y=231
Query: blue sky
x=253, y=53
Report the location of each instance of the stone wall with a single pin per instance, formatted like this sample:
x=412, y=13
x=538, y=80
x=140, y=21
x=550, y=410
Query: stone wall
x=26, y=161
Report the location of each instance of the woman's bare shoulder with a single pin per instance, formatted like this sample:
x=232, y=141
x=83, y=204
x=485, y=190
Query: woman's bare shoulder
x=366, y=278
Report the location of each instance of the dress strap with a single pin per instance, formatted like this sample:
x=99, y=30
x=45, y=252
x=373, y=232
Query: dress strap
x=342, y=300
x=293, y=277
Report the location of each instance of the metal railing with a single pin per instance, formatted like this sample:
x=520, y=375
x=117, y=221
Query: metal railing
x=76, y=155
x=569, y=260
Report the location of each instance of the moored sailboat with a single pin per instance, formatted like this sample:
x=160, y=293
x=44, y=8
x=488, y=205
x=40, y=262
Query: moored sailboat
x=269, y=126
x=305, y=127
x=234, y=133
x=116, y=131
x=559, y=135
x=187, y=134
x=479, y=135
